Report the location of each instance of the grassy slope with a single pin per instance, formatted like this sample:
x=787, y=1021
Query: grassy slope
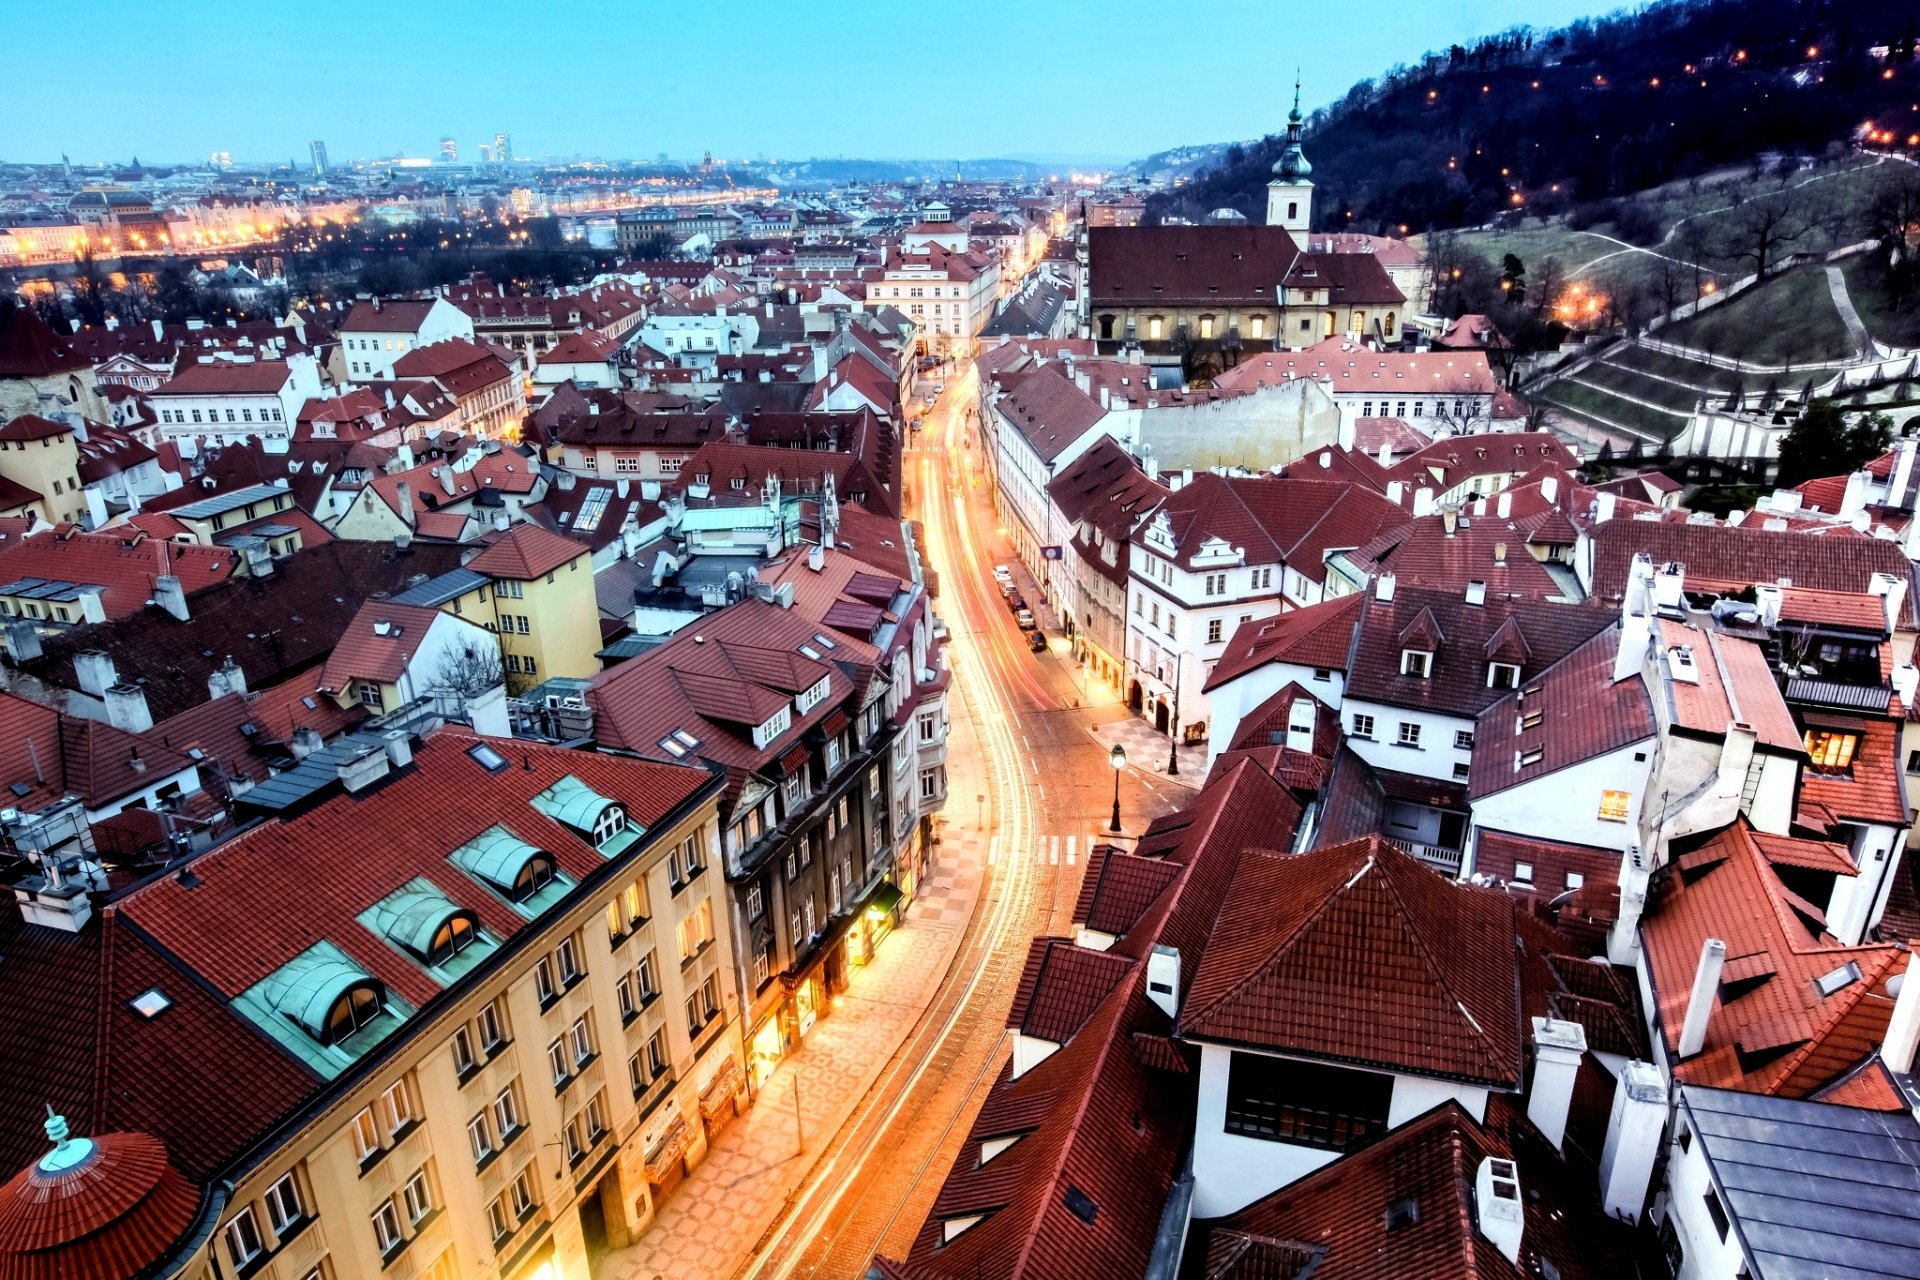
x=1787, y=319
x=1896, y=328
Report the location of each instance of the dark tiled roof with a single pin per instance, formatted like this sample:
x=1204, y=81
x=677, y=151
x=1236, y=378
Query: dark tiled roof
x=1275, y=519
x=272, y=626
x=1319, y=636
x=1333, y=1223
x=1061, y=986
x=1583, y=712
x=1049, y=411
x=1361, y=954
x=1165, y=266
x=1457, y=684
x=1719, y=557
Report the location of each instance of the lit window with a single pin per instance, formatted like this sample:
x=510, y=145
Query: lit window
x=1523, y=872
x=1613, y=806
x=1154, y=326
x=353, y=1010
x=1831, y=752
x=366, y=1135
x=536, y=875
x=451, y=938
x=397, y=1102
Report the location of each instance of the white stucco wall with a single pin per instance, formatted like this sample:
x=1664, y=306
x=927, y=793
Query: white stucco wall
x=1565, y=804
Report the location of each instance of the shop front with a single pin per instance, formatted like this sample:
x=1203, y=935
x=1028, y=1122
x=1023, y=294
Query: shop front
x=718, y=1097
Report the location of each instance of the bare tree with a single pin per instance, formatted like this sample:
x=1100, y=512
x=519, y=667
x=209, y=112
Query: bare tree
x=1762, y=228
x=1893, y=222
x=469, y=670
x=1670, y=284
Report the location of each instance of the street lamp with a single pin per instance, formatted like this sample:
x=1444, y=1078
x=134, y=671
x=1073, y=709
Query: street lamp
x=1118, y=759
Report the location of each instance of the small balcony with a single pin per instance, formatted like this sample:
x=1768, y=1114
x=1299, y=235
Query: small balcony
x=1439, y=857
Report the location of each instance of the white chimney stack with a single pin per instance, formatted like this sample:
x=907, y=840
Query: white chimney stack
x=1422, y=502
x=1558, y=1048
x=1163, y=979
x=1633, y=1140
x=1383, y=588
x=127, y=708
x=1505, y=507
x=1700, y=1001
x=1903, y=1028
x=1550, y=489
x=1476, y=593
x=1502, y=1213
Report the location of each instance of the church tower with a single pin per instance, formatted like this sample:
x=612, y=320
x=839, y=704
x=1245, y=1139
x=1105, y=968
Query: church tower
x=1290, y=194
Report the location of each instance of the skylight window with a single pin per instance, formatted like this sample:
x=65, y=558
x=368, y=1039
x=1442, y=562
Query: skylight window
x=672, y=748
x=810, y=652
x=487, y=758
x=685, y=739
x=151, y=1003
x=1838, y=979
x=823, y=642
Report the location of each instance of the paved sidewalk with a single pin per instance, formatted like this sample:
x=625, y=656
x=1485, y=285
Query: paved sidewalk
x=1843, y=303
x=1146, y=749
x=709, y=1226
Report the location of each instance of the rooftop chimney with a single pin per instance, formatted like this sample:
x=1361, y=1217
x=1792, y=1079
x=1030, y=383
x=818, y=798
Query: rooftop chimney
x=170, y=595
x=816, y=558
x=1476, y=593
x=1395, y=492
x=1383, y=588
x=1422, y=502
x=306, y=741
x=1633, y=1140
x=1603, y=507
x=228, y=679
x=1505, y=507
x=1550, y=489
x=363, y=768
x=1558, y=1047
x=1706, y=989
x=22, y=640
x=1669, y=586
x=93, y=671
x=405, y=494
x=127, y=708
x=92, y=608
x=1163, y=978
x=1501, y=1212
x=1893, y=590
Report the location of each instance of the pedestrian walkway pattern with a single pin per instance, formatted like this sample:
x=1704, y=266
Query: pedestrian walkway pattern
x=1146, y=749
x=710, y=1225
x=1053, y=850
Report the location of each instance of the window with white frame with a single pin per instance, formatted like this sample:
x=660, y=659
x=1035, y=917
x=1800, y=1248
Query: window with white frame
x=244, y=1242
x=480, y=1137
x=506, y=1113
x=1409, y=734
x=386, y=1228
x=582, y=1037
x=557, y=1063
x=1362, y=726
x=1417, y=663
x=1503, y=675
x=284, y=1207
x=418, y=1195
x=397, y=1105
x=366, y=1135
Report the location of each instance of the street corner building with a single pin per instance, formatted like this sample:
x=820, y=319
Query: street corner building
x=449, y=1006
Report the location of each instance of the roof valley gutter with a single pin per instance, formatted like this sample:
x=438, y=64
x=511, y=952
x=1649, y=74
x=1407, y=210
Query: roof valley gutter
x=264, y=1145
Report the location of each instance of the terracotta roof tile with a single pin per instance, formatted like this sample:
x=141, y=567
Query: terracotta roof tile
x=1361, y=954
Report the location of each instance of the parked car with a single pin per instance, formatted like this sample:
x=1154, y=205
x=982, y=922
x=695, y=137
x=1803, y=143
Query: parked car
x=1025, y=618
x=1003, y=573
x=939, y=388
x=1037, y=640
x=1015, y=603
x=1006, y=588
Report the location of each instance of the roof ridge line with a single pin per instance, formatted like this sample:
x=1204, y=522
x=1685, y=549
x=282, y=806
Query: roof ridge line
x=1256, y=971
x=1439, y=974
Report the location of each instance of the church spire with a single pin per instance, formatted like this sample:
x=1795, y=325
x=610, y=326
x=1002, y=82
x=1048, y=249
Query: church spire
x=1293, y=161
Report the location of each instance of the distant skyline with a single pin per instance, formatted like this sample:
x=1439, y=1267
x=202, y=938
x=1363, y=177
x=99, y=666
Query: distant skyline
x=854, y=78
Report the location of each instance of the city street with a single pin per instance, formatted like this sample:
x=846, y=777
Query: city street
x=844, y=1151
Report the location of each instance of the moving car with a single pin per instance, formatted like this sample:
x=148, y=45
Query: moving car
x=1037, y=640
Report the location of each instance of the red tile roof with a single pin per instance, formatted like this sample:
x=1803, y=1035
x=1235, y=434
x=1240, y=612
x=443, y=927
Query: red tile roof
x=1319, y=636
x=30, y=349
x=461, y=367
x=1450, y=550
x=1457, y=684
x=51, y=754
x=1346, y=368
x=1729, y=672
x=125, y=564
x=31, y=426
x=389, y=315
x=1497, y=854
x=277, y=889
x=1771, y=1031
x=525, y=552
x=1873, y=789
x=377, y=645
x=1569, y=713
x=1723, y=558
x=1274, y=519
x=1361, y=954
x=116, y=1213
x=226, y=378
x=1334, y=1223
x=1855, y=610
x=1061, y=987
x=218, y=729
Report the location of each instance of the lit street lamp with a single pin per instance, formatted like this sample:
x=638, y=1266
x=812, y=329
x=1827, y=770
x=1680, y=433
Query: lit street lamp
x=1118, y=759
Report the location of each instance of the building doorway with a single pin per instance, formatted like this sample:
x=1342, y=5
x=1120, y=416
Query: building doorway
x=1160, y=716
x=1136, y=698
x=593, y=1226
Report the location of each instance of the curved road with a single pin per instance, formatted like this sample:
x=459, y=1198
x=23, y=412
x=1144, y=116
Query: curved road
x=1046, y=781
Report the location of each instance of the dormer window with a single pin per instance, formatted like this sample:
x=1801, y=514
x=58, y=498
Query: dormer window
x=612, y=821
x=354, y=1008
x=1417, y=663
x=534, y=875
x=1831, y=750
x=1503, y=675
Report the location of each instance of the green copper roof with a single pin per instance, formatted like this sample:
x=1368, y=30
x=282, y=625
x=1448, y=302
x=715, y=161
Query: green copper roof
x=411, y=916
x=572, y=803
x=496, y=857
x=291, y=1004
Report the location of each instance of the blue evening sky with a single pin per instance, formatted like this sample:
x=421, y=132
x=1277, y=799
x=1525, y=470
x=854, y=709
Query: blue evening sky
x=859, y=78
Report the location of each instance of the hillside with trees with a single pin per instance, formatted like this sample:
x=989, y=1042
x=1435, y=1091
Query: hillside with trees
x=1533, y=123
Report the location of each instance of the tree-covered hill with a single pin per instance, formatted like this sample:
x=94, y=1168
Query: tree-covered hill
x=1532, y=122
